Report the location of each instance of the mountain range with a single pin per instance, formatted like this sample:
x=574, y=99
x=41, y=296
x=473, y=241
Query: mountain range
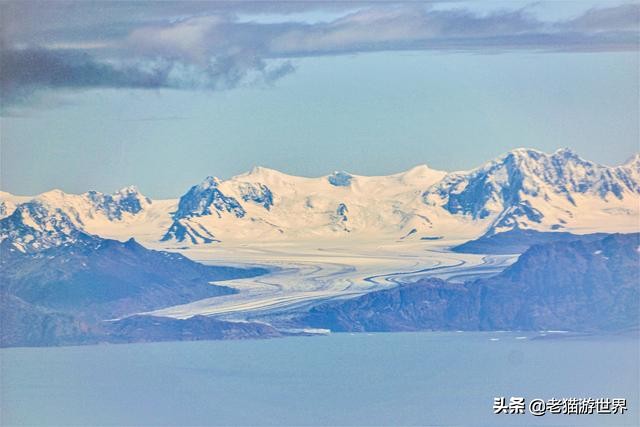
x=77, y=268
x=524, y=189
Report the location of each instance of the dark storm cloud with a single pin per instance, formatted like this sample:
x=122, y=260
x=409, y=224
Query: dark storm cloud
x=219, y=45
x=26, y=69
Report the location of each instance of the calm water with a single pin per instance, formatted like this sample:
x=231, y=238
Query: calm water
x=343, y=379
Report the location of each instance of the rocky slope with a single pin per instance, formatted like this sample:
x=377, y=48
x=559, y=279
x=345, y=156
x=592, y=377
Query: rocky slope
x=517, y=241
x=576, y=286
x=63, y=294
x=28, y=325
x=106, y=276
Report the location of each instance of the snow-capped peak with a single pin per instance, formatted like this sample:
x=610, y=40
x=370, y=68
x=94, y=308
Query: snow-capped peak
x=9, y=202
x=209, y=182
x=262, y=170
x=421, y=175
x=565, y=152
x=634, y=161
x=264, y=175
x=54, y=195
x=258, y=172
x=35, y=226
x=524, y=188
x=200, y=199
x=527, y=187
x=129, y=189
x=524, y=152
x=54, y=216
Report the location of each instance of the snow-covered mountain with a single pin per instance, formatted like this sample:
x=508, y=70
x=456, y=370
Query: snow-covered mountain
x=9, y=202
x=529, y=189
x=55, y=217
x=524, y=188
x=267, y=204
x=34, y=226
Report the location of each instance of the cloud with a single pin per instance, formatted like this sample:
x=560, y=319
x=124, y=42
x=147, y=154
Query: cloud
x=415, y=28
x=204, y=45
x=188, y=39
x=621, y=18
x=26, y=70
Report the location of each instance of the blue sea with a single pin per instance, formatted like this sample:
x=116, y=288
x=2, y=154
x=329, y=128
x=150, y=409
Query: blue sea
x=431, y=378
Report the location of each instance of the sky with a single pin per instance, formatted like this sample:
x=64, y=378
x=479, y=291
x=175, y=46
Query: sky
x=101, y=95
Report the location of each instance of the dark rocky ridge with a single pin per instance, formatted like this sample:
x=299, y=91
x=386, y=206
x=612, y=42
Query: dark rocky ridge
x=517, y=241
x=153, y=328
x=62, y=295
x=576, y=286
x=110, y=277
x=26, y=325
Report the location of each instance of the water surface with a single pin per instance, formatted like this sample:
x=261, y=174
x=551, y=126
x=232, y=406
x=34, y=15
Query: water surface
x=343, y=379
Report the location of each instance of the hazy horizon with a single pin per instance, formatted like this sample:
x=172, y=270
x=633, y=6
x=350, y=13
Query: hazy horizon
x=629, y=158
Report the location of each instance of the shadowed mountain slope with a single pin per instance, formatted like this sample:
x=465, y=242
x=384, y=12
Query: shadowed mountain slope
x=577, y=286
